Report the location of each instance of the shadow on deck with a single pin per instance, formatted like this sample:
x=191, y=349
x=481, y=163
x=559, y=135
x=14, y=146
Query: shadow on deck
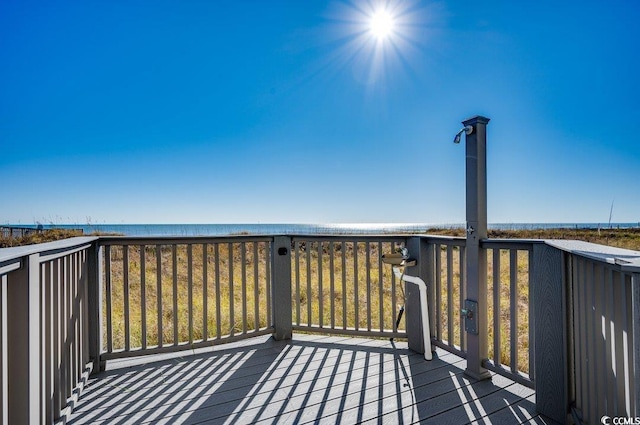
x=310, y=379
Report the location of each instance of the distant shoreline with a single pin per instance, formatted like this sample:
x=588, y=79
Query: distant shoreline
x=307, y=229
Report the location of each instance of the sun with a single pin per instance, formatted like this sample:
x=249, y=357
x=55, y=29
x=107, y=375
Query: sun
x=377, y=40
x=381, y=25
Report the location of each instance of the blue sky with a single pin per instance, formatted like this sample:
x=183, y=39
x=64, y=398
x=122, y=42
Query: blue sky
x=295, y=112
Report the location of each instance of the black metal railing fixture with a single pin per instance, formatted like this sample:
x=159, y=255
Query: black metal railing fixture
x=561, y=317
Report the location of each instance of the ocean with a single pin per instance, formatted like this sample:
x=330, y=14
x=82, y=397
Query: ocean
x=305, y=229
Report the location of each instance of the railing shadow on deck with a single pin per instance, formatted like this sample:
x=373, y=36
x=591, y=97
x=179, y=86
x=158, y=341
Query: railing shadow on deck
x=301, y=381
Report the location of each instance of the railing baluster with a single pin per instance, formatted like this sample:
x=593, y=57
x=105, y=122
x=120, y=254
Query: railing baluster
x=66, y=354
x=75, y=257
x=256, y=292
x=368, y=267
x=267, y=266
x=599, y=323
x=232, y=320
x=628, y=335
x=57, y=337
x=47, y=349
x=463, y=296
x=450, y=309
x=513, y=316
x=590, y=327
x=4, y=372
x=380, y=288
x=581, y=375
x=532, y=319
x=497, y=357
x=143, y=297
x=205, y=292
x=320, y=294
x=190, y=290
x=610, y=308
x=216, y=254
x=622, y=344
x=297, y=262
x=394, y=301
x=439, y=323
x=307, y=248
x=355, y=285
x=243, y=260
x=72, y=326
x=332, y=284
x=174, y=264
x=343, y=248
x=107, y=295
x=159, y=293
x=125, y=283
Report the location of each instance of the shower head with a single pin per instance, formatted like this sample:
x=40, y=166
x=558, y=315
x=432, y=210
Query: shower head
x=467, y=129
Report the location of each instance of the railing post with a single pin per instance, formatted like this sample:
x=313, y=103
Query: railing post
x=23, y=342
x=476, y=203
x=549, y=350
x=94, y=282
x=413, y=308
x=281, y=287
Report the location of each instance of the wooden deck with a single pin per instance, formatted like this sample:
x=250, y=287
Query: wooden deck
x=310, y=379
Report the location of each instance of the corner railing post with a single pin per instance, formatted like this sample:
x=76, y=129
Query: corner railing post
x=476, y=203
x=23, y=342
x=281, y=287
x=549, y=339
x=415, y=337
x=95, y=267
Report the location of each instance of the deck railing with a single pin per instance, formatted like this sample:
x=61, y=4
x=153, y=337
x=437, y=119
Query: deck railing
x=510, y=308
x=169, y=294
x=511, y=312
x=340, y=285
x=45, y=329
x=562, y=317
x=603, y=321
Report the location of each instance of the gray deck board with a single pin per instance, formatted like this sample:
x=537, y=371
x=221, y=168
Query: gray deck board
x=310, y=379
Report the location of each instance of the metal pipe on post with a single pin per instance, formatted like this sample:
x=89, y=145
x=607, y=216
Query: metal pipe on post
x=475, y=309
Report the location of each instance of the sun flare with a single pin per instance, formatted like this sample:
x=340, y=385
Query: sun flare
x=378, y=40
x=381, y=24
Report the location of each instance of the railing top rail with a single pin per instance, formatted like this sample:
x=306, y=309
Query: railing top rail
x=441, y=239
x=350, y=238
x=519, y=244
x=44, y=249
x=180, y=240
x=628, y=260
x=10, y=265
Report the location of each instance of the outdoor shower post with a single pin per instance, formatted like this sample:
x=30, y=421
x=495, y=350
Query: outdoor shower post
x=476, y=264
